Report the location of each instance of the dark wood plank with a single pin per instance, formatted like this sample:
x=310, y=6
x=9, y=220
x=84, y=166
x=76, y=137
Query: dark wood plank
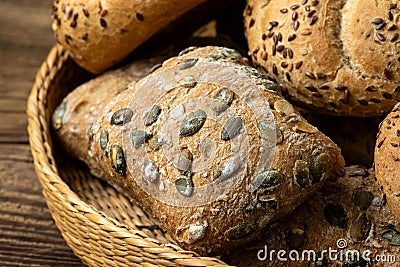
x=28, y=235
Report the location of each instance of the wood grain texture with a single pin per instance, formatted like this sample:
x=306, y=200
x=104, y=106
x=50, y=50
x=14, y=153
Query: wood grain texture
x=28, y=235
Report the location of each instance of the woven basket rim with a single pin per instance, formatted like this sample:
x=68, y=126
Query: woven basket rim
x=53, y=186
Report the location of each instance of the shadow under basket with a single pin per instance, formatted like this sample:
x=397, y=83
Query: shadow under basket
x=101, y=225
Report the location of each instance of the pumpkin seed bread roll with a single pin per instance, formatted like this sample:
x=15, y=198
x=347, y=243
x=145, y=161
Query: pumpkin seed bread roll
x=348, y=215
x=339, y=57
x=387, y=159
x=99, y=34
x=72, y=119
x=207, y=146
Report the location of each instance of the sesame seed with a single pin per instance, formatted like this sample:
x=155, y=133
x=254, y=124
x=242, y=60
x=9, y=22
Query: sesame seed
x=249, y=10
x=264, y=36
x=103, y=23
x=265, y=56
x=294, y=7
x=279, y=37
x=287, y=75
x=394, y=37
x=392, y=27
x=270, y=34
x=340, y=87
x=63, y=9
x=85, y=12
x=85, y=36
x=103, y=12
x=284, y=64
x=363, y=102
x=323, y=87
x=377, y=21
x=283, y=10
x=380, y=37
x=390, y=16
x=377, y=42
x=274, y=23
x=251, y=23
x=346, y=97
x=270, y=27
x=311, y=88
x=290, y=67
x=69, y=13
x=315, y=3
x=311, y=13
x=370, y=89
x=298, y=65
x=295, y=15
x=280, y=48
x=380, y=26
x=313, y=20
x=73, y=24
x=317, y=94
x=304, y=2
x=305, y=32
x=290, y=53
x=274, y=69
x=393, y=6
x=273, y=49
x=310, y=75
x=139, y=16
x=275, y=39
x=321, y=75
x=375, y=100
x=291, y=37
x=388, y=73
x=285, y=53
x=333, y=105
x=387, y=95
x=295, y=25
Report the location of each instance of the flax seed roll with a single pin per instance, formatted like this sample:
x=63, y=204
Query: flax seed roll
x=338, y=57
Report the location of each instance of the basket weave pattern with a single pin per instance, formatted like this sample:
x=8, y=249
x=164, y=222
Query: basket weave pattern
x=102, y=226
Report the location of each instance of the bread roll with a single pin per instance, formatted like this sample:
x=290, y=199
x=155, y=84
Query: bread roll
x=211, y=173
x=98, y=34
x=347, y=214
x=339, y=57
x=387, y=159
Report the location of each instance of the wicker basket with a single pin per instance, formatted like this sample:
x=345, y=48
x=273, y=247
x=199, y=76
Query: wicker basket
x=100, y=225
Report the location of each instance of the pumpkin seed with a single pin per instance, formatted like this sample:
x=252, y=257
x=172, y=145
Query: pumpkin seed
x=335, y=215
x=150, y=172
x=184, y=185
x=271, y=86
x=296, y=239
x=232, y=128
x=188, y=82
x=193, y=123
x=185, y=160
x=392, y=237
x=360, y=228
x=231, y=53
x=90, y=132
x=117, y=159
x=188, y=63
x=224, y=99
x=139, y=137
x=241, y=230
x=362, y=198
x=155, y=143
x=103, y=141
x=318, y=167
x=301, y=173
x=284, y=107
x=58, y=115
x=268, y=130
x=269, y=178
x=151, y=115
x=121, y=116
x=227, y=169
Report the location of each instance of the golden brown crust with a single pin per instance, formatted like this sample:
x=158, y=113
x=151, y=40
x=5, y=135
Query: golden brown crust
x=339, y=57
x=351, y=210
x=98, y=34
x=304, y=158
x=387, y=159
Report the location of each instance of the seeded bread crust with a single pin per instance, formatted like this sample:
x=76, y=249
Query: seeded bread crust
x=351, y=208
x=98, y=34
x=339, y=57
x=304, y=158
x=387, y=159
x=73, y=117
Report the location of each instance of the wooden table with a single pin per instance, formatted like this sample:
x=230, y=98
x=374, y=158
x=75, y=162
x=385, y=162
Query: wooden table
x=28, y=235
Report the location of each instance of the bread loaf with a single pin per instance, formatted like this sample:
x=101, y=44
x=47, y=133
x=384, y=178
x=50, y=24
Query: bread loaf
x=349, y=214
x=98, y=34
x=212, y=163
x=387, y=159
x=339, y=57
